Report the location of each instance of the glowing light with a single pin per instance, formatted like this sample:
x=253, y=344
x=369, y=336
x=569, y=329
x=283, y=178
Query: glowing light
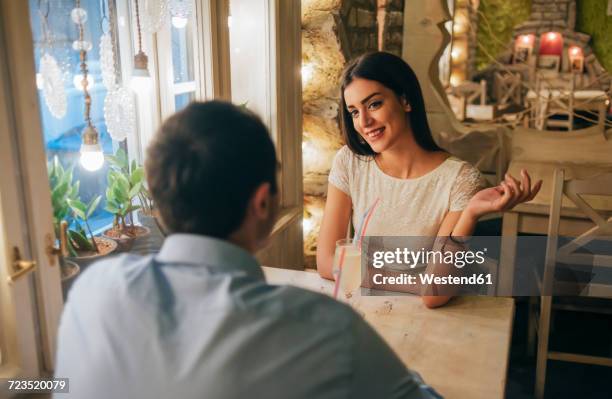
x=78, y=81
x=455, y=54
x=575, y=51
x=307, y=225
x=309, y=151
x=527, y=40
x=179, y=22
x=552, y=36
x=92, y=158
x=307, y=72
x=39, y=81
x=140, y=84
x=455, y=80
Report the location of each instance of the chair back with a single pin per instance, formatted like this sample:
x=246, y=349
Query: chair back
x=573, y=252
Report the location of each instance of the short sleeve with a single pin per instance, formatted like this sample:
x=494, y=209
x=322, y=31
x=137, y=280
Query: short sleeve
x=469, y=181
x=339, y=173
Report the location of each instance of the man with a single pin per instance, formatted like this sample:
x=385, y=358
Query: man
x=198, y=320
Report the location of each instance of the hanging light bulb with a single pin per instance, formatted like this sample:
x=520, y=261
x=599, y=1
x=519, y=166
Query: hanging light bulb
x=180, y=11
x=92, y=157
x=78, y=81
x=141, y=79
x=179, y=22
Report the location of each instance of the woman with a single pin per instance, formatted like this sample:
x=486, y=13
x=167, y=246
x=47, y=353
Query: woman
x=390, y=156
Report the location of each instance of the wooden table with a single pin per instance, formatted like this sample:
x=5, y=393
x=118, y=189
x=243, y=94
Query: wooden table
x=460, y=349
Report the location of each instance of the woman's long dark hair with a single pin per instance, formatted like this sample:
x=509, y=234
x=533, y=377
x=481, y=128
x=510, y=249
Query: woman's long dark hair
x=394, y=73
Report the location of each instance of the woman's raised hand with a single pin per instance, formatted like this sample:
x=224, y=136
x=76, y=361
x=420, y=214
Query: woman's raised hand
x=509, y=193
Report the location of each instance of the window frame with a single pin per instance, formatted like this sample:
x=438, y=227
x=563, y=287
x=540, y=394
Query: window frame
x=167, y=88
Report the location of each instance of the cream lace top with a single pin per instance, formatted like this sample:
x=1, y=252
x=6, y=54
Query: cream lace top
x=407, y=207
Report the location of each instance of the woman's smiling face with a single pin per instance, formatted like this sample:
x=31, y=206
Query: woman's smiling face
x=378, y=115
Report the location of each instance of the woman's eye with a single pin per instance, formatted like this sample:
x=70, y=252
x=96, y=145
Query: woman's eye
x=354, y=114
x=375, y=105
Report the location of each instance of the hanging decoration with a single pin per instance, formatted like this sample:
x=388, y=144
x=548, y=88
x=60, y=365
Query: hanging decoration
x=119, y=108
x=154, y=15
x=119, y=113
x=180, y=11
x=107, y=62
x=92, y=157
x=50, y=79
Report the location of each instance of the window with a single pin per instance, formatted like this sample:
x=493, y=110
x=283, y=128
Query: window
x=179, y=58
x=53, y=33
x=252, y=57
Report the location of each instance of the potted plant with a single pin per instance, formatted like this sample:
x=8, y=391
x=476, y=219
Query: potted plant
x=148, y=217
x=124, y=184
x=80, y=250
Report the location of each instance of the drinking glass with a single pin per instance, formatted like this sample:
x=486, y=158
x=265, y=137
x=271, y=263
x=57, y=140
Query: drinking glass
x=347, y=266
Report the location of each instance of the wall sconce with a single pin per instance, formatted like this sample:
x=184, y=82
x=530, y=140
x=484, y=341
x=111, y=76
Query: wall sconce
x=576, y=58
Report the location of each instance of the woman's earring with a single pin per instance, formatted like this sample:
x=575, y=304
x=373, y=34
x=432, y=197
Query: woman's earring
x=361, y=140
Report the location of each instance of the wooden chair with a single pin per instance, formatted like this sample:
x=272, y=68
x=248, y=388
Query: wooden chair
x=508, y=88
x=602, y=230
x=554, y=99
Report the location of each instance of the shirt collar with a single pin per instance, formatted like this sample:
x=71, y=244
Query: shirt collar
x=208, y=251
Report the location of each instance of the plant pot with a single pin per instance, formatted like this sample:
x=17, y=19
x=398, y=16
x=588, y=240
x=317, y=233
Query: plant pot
x=153, y=242
x=125, y=238
x=70, y=270
x=106, y=247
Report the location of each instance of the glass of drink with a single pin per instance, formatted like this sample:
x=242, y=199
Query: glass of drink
x=347, y=266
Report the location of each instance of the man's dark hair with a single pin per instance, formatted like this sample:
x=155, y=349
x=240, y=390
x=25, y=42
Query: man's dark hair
x=204, y=165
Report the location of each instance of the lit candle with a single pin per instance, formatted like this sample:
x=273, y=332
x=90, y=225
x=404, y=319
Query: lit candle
x=551, y=43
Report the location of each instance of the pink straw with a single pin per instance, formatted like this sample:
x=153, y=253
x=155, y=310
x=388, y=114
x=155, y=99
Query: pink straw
x=341, y=260
x=340, y=263
x=367, y=220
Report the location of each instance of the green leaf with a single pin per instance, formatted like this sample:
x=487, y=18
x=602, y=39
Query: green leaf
x=137, y=176
x=80, y=241
x=134, y=166
x=74, y=191
x=58, y=194
x=59, y=170
x=134, y=191
x=93, y=205
x=122, y=159
x=78, y=208
x=119, y=194
x=123, y=183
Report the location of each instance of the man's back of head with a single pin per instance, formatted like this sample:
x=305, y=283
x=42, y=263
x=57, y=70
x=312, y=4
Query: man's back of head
x=204, y=166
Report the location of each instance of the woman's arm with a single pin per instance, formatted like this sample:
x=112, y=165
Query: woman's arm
x=333, y=227
x=455, y=223
x=509, y=193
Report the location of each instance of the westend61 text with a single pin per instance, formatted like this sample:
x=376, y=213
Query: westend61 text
x=429, y=278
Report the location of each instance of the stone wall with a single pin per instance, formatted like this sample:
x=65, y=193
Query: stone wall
x=333, y=32
x=390, y=20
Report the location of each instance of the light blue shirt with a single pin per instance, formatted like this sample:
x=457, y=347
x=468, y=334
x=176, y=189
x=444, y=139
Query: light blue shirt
x=199, y=321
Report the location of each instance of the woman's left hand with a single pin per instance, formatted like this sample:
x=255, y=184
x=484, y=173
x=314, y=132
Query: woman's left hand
x=503, y=197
